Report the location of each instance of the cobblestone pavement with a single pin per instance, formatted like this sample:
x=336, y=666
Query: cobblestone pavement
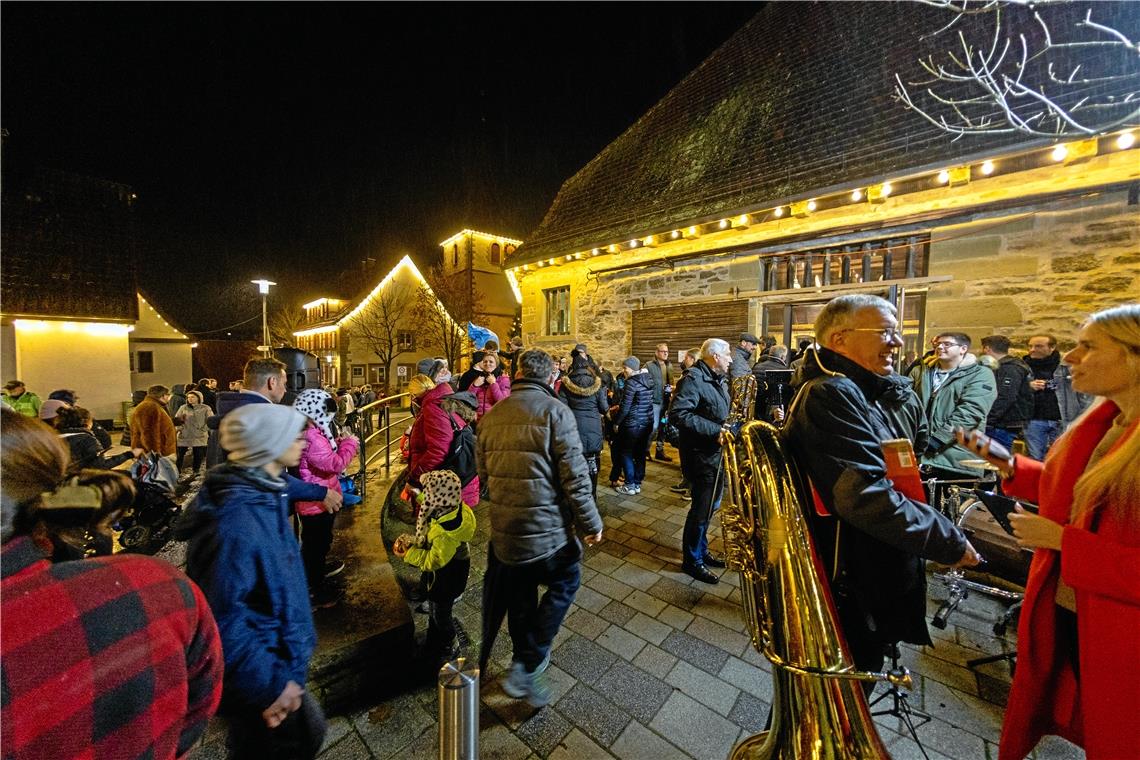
x=651, y=664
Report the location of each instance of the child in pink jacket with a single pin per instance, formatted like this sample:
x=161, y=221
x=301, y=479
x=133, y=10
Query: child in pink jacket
x=324, y=459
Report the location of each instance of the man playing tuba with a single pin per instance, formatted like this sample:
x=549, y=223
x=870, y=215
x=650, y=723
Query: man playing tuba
x=875, y=538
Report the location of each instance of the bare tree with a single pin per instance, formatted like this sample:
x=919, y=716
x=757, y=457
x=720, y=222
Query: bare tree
x=377, y=326
x=443, y=308
x=283, y=323
x=1038, y=67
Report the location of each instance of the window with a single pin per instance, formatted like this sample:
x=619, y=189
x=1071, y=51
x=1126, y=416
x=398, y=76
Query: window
x=558, y=311
x=357, y=372
x=455, y=255
x=495, y=254
x=406, y=340
x=145, y=361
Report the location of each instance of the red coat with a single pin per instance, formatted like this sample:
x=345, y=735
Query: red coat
x=431, y=438
x=1097, y=712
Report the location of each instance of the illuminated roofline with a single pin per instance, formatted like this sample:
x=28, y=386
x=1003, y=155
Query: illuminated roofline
x=484, y=235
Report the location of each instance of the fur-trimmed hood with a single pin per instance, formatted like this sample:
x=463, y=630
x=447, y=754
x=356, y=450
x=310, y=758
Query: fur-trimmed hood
x=571, y=386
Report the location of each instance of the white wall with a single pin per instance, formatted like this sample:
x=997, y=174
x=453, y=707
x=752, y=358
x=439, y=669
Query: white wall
x=172, y=364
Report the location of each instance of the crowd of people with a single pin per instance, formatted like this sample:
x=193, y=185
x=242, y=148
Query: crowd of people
x=525, y=430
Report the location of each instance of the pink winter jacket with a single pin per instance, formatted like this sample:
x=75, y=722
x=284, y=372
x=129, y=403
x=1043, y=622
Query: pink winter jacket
x=489, y=394
x=321, y=465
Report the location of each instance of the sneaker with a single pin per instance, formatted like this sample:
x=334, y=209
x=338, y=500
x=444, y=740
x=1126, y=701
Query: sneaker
x=538, y=695
x=686, y=495
x=679, y=488
x=627, y=490
x=325, y=597
x=517, y=681
x=333, y=567
x=637, y=488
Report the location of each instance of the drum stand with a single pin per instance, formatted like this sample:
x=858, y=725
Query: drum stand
x=900, y=704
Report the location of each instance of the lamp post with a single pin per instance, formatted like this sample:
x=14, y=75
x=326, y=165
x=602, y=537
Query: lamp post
x=329, y=365
x=263, y=288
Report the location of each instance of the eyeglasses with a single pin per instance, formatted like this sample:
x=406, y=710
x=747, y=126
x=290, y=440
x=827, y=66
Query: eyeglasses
x=886, y=334
x=944, y=344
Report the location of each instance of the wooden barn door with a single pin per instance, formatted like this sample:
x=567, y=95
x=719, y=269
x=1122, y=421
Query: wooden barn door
x=685, y=327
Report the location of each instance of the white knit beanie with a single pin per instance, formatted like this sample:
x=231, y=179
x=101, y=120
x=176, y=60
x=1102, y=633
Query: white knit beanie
x=257, y=434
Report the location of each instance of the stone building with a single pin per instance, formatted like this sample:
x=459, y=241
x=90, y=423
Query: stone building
x=473, y=263
x=784, y=171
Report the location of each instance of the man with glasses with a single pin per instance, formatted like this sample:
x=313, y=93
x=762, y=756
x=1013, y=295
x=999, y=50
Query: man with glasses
x=874, y=538
x=661, y=371
x=1055, y=403
x=955, y=391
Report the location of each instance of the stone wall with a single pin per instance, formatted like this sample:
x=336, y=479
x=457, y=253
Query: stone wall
x=1022, y=273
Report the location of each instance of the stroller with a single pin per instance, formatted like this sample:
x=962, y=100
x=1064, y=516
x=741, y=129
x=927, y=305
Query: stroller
x=147, y=528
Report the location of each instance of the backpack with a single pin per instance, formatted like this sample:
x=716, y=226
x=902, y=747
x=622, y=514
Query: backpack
x=460, y=457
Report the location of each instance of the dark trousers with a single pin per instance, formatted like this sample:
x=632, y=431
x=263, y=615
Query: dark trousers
x=594, y=463
x=316, y=538
x=706, y=485
x=199, y=457
x=533, y=622
x=632, y=452
x=299, y=737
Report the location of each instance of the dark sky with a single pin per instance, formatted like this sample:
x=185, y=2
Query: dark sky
x=293, y=139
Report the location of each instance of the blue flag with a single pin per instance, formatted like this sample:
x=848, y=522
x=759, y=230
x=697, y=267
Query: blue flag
x=480, y=335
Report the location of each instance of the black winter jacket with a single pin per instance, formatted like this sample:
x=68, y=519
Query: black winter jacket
x=1014, y=401
x=835, y=430
x=86, y=451
x=700, y=407
x=582, y=391
x=636, y=410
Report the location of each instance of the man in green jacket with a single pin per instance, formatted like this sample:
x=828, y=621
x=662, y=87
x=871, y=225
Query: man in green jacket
x=21, y=399
x=955, y=391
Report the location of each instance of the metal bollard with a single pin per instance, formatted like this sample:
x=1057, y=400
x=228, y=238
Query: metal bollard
x=459, y=711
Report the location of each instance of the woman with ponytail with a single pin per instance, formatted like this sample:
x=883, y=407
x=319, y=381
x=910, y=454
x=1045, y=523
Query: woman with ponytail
x=1078, y=670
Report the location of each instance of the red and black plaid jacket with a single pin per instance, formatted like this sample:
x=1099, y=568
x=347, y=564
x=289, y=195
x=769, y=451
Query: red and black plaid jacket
x=108, y=657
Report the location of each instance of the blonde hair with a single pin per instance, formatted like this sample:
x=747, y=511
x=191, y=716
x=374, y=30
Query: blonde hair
x=1114, y=479
x=419, y=385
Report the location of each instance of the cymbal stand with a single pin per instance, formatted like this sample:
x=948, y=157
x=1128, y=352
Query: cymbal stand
x=900, y=704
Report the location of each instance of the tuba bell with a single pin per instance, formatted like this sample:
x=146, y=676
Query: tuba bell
x=819, y=709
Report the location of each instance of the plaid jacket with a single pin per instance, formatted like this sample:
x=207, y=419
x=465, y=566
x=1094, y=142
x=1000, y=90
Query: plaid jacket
x=109, y=657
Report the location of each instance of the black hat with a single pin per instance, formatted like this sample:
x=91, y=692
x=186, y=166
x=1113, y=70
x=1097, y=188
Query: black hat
x=749, y=337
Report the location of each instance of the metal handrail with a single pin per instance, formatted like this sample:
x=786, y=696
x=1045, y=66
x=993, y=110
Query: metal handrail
x=369, y=433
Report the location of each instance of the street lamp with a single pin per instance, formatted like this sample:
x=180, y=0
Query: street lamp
x=263, y=288
x=329, y=365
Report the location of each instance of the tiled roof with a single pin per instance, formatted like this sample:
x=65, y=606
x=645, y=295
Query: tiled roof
x=800, y=99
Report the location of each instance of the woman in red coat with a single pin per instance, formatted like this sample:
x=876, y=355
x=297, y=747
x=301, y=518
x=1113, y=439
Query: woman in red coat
x=1078, y=670
x=432, y=433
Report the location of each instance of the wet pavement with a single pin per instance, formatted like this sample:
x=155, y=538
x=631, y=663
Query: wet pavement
x=651, y=664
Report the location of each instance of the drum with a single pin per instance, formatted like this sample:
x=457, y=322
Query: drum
x=1004, y=558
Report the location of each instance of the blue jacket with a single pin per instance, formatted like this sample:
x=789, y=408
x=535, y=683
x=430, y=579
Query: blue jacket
x=636, y=410
x=244, y=556
x=297, y=489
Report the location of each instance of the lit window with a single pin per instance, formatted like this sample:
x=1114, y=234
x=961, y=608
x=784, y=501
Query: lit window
x=558, y=311
x=406, y=340
x=496, y=257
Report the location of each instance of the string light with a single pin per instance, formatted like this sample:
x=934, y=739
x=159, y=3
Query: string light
x=811, y=205
x=856, y=195
x=987, y=168
x=778, y=212
x=943, y=177
x=1059, y=153
x=1125, y=140
x=723, y=223
x=675, y=234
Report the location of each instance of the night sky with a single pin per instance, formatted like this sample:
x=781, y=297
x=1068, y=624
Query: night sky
x=294, y=140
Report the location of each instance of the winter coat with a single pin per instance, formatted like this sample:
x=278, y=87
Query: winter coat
x=177, y=401
x=700, y=407
x=152, y=429
x=530, y=458
x=635, y=413
x=491, y=392
x=86, y=451
x=741, y=362
x=659, y=377
x=1102, y=565
x=835, y=430
x=1014, y=402
x=243, y=554
x=446, y=562
x=1070, y=403
x=322, y=466
x=193, y=431
x=963, y=400
x=27, y=403
x=582, y=391
x=430, y=440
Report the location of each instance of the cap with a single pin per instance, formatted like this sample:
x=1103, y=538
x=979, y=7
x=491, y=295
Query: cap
x=581, y=348
x=633, y=363
x=423, y=366
x=749, y=337
x=12, y=385
x=51, y=407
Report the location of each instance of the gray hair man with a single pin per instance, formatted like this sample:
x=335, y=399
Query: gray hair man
x=850, y=403
x=699, y=411
x=530, y=458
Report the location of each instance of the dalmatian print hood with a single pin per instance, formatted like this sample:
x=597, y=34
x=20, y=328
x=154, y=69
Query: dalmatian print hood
x=320, y=407
x=442, y=493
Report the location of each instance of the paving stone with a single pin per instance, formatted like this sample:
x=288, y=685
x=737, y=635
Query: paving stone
x=643, y=545
x=675, y=617
x=635, y=576
x=646, y=561
x=616, y=612
x=723, y=611
x=677, y=594
x=615, y=534
x=545, y=729
x=589, y=599
x=975, y=715
x=655, y=661
x=695, y=728
x=1056, y=748
x=750, y=678
x=634, y=690
x=905, y=748
x=593, y=714
x=703, y=687
x=696, y=652
x=349, y=747
x=583, y=659
x=951, y=741
x=510, y=711
x=643, y=602
x=672, y=571
x=750, y=713
x=647, y=628
x=392, y=725
x=621, y=642
x=585, y=623
x=603, y=563
x=603, y=584
x=577, y=746
x=639, y=743
x=642, y=520
x=613, y=548
x=425, y=747
x=496, y=742
x=339, y=727
x=730, y=640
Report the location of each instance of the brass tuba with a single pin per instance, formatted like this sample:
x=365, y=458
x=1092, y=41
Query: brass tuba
x=819, y=709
